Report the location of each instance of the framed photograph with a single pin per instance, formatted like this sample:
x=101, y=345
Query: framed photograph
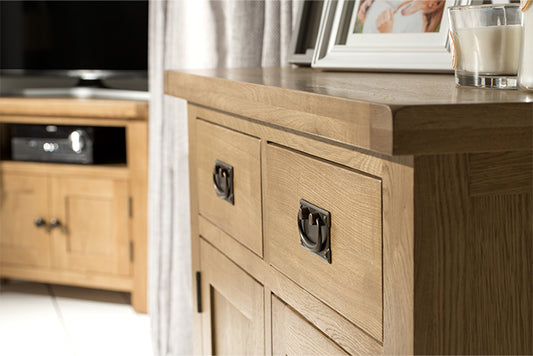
x=304, y=36
x=385, y=35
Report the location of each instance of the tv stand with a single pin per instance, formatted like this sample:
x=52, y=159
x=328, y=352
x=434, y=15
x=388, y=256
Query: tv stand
x=99, y=237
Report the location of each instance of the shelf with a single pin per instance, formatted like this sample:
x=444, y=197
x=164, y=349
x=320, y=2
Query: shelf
x=107, y=170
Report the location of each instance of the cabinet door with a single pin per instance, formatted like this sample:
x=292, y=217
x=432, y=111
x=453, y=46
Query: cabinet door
x=92, y=235
x=23, y=200
x=232, y=307
x=293, y=335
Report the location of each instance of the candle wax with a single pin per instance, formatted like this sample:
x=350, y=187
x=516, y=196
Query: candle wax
x=488, y=50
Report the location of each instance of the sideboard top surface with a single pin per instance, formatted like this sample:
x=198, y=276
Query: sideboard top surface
x=391, y=113
x=393, y=89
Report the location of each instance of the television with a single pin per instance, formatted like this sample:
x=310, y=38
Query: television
x=88, y=40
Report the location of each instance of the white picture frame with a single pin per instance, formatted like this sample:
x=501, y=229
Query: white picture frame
x=339, y=46
x=304, y=36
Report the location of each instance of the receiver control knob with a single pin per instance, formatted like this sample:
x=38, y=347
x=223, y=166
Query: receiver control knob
x=77, y=140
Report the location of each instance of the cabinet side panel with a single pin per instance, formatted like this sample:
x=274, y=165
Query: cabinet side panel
x=473, y=264
x=195, y=237
x=398, y=284
x=137, y=152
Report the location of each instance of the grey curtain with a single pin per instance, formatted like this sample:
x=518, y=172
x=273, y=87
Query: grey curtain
x=187, y=34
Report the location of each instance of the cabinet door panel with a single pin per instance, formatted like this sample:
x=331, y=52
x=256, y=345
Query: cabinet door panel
x=233, y=307
x=293, y=335
x=93, y=235
x=23, y=199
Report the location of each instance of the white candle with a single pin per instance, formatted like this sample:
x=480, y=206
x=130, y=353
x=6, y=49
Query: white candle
x=488, y=50
x=525, y=72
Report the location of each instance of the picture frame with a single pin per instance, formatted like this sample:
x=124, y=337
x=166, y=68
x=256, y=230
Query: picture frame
x=347, y=44
x=304, y=35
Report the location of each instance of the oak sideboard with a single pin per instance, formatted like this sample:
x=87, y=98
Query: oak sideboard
x=358, y=213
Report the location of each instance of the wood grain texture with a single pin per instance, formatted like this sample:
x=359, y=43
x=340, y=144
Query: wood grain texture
x=490, y=127
x=500, y=173
x=118, y=171
x=95, y=108
x=394, y=89
x=195, y=234
x=242, y=220
x=343, y=332
x=268, y=320
x=24, y=198
x=340, y=330
x=387, y=113
x=49, y=275
x=137, y=153
x=398, y=261
x=473, y=266
x=332, y=151
x=397, y=272
x=338, y=118
x=293, y=335
x=236, y=251
x=62, y=120
x=457, y=228
x=356, y=242
x=233, y=308
x=94, y=234
x=132, y=115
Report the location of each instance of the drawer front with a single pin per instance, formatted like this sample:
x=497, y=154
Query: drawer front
x=240, y=153
x=352, y=283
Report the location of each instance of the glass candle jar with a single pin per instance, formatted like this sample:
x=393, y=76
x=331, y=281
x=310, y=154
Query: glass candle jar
x=525, y=69
x=486, y=40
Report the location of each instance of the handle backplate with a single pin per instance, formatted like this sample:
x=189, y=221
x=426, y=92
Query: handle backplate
x=223, y=181
x=314, y=226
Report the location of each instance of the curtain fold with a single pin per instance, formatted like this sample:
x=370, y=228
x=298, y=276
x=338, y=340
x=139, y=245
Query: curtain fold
x=188, y=34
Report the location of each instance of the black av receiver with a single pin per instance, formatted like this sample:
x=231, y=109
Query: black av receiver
x=68, y=144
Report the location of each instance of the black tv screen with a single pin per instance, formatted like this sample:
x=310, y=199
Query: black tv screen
x=73, y=35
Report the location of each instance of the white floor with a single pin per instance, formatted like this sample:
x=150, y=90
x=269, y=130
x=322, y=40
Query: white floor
x=41, y=320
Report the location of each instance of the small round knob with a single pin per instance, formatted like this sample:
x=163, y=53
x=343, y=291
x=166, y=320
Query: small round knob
x=39, y=222
x=54, y=223
x=77, y=140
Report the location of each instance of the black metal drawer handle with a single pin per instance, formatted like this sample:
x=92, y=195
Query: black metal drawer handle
x=223, y=181
x=314, y=225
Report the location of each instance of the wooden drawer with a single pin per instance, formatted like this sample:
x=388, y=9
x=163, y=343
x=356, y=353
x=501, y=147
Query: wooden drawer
x=242, y=219
x=352, y=283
